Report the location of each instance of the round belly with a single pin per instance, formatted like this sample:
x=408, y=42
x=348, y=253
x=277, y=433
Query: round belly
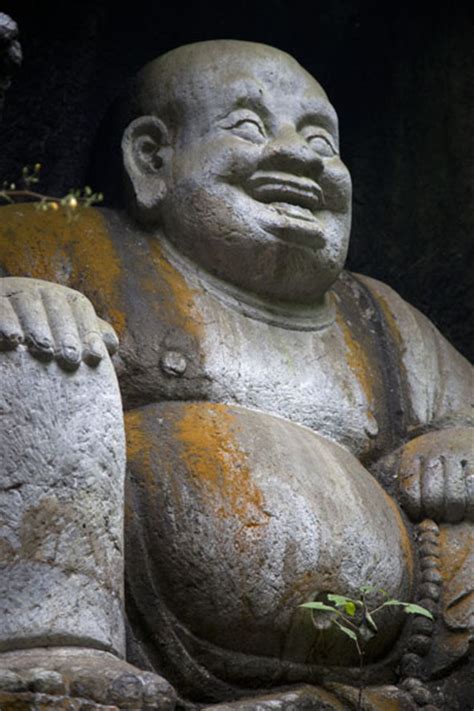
x=243, y=516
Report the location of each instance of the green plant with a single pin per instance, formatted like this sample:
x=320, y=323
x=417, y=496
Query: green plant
x=355, y=618
x=72, y=202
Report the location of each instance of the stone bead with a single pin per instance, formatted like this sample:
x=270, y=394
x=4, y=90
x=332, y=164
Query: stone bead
x=410, y=664
x=430, y=537
x=420, y=644
x=429, y=549
x=430, y=590
x=410, y=683
x=422, y=625
x=429, y=604
x=429, y=525
x=421, y=695
x=431, y=575
x=429, y=561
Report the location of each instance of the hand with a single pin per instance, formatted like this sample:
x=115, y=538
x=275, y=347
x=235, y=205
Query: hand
x=52, y=321
x=436, y=476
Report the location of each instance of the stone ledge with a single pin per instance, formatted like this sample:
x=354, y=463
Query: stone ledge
x=305, y=698
x=28, y=701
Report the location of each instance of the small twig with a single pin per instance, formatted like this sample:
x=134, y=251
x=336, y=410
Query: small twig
x=29, y=193
x=30, y=176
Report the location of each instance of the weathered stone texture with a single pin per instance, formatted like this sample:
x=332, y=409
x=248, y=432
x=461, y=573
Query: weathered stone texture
x=62, y=451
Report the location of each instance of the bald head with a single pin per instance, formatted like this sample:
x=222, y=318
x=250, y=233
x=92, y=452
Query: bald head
x=181, y=78
x=233, y=154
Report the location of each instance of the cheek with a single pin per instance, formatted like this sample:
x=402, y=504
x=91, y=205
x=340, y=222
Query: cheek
x=201, y=206
x=337, y=186
x=239, y=159
x=225, y=159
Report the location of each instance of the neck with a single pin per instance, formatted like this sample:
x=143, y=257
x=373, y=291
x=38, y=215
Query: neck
x=299, y=317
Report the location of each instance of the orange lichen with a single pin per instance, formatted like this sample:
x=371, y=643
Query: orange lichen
x=358, y=360
x=172, y=293
x=139, y=443
x=207, y=433
x=405, y=539
x=411, y=449
x=141, y=454
x=79, y=254
x=142, y=446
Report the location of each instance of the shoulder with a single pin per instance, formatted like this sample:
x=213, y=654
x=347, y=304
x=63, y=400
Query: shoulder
x=439, y=378
x=406, y=322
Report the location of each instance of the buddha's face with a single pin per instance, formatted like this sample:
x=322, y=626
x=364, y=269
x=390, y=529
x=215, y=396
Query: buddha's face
x=257, y=193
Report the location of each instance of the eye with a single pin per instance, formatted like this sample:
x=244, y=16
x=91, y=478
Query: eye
x=320, y=142
x=245, y=125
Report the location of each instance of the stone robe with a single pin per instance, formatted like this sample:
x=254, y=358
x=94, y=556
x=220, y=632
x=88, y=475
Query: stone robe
x=251, y=432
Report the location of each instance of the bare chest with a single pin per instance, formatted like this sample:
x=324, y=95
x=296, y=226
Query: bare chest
x=316, y=378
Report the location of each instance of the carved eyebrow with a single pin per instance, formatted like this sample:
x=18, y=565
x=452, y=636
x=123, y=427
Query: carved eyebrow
x=247, y=93
x=322, y=117
x=253, y=102
x=248, y=96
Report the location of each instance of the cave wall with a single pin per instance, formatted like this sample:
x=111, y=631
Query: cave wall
x=401, y=78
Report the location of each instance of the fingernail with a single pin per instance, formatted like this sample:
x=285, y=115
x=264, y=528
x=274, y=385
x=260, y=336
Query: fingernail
x=41, y=347
x=93, y=353
x=69, y=355
x=111, y=342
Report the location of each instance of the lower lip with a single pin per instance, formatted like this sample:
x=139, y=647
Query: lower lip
x=293, y=211
x=296, y=225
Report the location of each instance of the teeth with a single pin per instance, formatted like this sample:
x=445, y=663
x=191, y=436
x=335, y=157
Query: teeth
x=286, y=190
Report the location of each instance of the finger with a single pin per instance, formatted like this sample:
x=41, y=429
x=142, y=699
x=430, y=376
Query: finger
x=68, y=350
x=454, y=490
x=93, y=349
x=109, y=336
x=432, y=487
x=11, y=334
x=34, y=322
x=410, y=493
x=468, y=470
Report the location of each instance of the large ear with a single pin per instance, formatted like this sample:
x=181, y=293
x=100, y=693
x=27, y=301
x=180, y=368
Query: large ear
x=146, y=155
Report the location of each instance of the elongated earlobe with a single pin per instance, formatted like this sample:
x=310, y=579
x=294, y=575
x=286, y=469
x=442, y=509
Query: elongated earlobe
x=146, y=156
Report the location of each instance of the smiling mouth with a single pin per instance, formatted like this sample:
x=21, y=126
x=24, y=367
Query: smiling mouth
x=289, y=195
x=294, y=202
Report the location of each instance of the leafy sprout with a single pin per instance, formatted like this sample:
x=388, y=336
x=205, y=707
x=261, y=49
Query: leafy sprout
x=360, y=628
x=73, y=202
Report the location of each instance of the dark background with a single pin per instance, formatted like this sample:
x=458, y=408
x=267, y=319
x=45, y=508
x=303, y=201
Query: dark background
x=401, y=78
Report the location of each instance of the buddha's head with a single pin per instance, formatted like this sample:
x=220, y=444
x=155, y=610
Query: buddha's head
x=234, y=155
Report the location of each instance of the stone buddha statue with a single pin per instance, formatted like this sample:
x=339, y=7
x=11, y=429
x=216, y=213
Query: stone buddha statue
x=292, y=429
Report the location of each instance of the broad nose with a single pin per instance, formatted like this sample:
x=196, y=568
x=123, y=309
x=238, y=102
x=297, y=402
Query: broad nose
x=289, y=151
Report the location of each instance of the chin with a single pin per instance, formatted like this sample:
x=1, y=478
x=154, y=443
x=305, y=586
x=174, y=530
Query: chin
x=304, y=277
x=272, y=256
x=278, y=270
x=302, y=266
